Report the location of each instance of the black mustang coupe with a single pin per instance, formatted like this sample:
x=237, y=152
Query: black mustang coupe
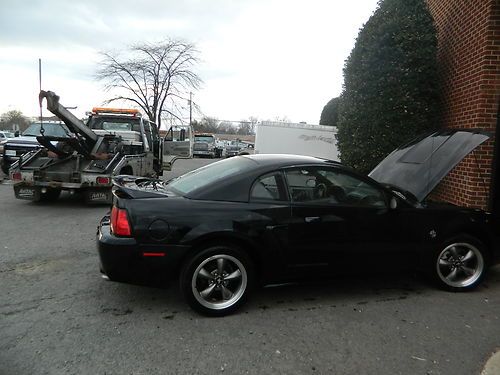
x=260, y=219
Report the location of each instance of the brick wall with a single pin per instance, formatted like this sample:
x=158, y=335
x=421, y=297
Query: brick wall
x=469, y=64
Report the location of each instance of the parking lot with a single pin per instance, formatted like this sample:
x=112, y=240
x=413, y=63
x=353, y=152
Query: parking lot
x=58, y=316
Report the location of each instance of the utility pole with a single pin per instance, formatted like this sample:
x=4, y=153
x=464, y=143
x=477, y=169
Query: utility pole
x=190, y=108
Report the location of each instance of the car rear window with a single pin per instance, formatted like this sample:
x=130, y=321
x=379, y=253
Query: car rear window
x=209, y=174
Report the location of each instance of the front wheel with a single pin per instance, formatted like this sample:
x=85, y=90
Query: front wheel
x=460, y=264
x=217, y=281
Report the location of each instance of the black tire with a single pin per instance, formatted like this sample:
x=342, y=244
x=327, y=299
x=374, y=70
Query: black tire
x=5, y=168
x=460, y=264
x=217, y=280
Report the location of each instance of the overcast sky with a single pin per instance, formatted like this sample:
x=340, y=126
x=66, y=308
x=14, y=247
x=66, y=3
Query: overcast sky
x=262, y=58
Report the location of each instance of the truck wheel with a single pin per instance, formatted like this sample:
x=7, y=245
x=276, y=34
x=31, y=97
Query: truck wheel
x=5, y=167
x=217, y=280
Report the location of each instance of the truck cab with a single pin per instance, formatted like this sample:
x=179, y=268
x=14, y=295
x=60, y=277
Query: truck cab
x=138, y=135
x=204, y=145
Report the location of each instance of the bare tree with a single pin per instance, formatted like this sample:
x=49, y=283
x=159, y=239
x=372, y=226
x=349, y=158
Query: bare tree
x=155, y=77
x=226, y=127
x=206, y=125
x=13, y=120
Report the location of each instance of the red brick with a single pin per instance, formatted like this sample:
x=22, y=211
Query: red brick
x=469, y=68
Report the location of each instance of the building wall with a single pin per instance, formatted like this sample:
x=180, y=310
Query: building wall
x=469, y=64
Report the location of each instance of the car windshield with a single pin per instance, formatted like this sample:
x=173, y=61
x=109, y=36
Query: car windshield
x=8, y=134
x=206, y=139
x=115, y=123
x=208, y=174
x=50, y=129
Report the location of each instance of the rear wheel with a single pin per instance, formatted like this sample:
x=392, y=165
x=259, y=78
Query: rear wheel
x=217, y=281
x=460, y=264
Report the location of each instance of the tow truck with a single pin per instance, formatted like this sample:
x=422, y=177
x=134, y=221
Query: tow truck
x=112, y=142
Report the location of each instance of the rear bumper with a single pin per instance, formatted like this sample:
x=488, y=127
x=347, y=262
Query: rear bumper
x=35, y=190
x=124, y=259
x=203, y=153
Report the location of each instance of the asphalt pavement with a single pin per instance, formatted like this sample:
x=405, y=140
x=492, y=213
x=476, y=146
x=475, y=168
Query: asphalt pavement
x=58, y=316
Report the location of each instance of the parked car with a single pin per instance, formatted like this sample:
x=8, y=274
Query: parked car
x=5, y=134
x=260, y=219
x=232, y=150
x=4, y=137
x=15, y=147
x=249, y=149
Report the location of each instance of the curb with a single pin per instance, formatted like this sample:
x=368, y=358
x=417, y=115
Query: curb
x=492, y=366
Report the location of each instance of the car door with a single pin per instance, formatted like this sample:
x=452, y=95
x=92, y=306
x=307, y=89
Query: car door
x=271, y=216
x=177, y=144
x=341, y=220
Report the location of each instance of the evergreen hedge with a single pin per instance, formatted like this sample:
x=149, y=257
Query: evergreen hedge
x=330, y=113
x=390, y=83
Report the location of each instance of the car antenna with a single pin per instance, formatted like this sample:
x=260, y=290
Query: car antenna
x=42, y=130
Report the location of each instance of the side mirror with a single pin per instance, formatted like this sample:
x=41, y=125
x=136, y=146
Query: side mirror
x=182, y=135
x=16, y=134
x=393, y=204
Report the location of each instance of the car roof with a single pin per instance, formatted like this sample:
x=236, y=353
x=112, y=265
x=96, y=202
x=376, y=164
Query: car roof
x=284, y=160
x=236, y=187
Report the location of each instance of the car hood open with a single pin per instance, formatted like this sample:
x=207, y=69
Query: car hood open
x=420, y=165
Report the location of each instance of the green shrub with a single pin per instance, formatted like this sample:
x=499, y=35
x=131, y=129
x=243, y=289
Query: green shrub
x=390, y=83
x=330, y=113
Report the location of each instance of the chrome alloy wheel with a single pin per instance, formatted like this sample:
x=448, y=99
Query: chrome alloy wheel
x=460, y=265
x=219, y=282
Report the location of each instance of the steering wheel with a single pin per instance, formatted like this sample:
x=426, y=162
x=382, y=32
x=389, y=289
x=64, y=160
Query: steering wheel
x=337, y=193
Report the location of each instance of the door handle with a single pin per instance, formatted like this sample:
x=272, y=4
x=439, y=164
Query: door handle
x=312, y=219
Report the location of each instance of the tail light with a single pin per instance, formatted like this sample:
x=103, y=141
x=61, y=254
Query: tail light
x=120, y=225
x=103, y=180
x=16, y=176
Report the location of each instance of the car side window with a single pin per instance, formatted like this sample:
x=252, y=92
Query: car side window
x=266, y=188
x=330, y=186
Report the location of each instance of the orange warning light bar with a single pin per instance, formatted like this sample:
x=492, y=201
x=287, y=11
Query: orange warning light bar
x=121, y=111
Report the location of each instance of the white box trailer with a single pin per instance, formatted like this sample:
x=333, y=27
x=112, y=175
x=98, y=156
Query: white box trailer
x=299, y=139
